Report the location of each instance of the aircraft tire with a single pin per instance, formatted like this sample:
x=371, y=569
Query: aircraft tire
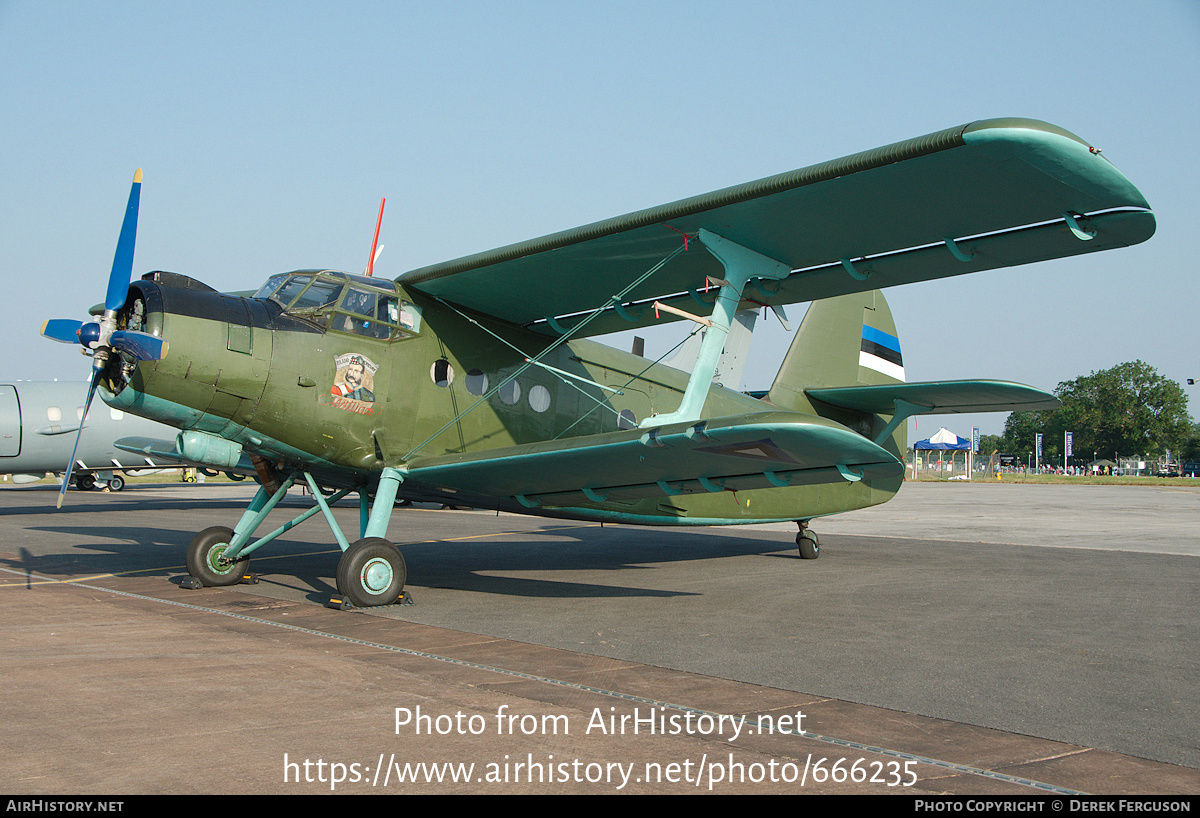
x=203, y=553
x=371, y=572
x=117, y=483
x=85, y=482
x=810, y=548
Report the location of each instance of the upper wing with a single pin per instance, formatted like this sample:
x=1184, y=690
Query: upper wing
x=1003, y=191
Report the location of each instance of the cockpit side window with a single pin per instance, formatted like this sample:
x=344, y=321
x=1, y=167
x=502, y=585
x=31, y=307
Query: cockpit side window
x=374, y=314
x=406, y=314
x=360, y=302
x=361, y=305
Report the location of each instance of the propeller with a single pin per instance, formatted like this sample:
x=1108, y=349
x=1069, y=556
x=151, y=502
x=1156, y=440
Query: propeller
x=101, y=337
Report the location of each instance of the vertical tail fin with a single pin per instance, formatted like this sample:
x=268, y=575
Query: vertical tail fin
x=843, y=341
x=733, y=356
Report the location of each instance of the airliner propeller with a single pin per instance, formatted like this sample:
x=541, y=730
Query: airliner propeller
x=101, y=338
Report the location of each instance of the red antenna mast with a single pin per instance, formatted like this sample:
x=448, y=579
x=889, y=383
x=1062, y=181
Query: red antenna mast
x=375, y=241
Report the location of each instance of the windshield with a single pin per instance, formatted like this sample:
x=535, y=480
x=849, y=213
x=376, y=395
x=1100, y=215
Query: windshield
x=291, y=289
x=318, y=294
x=271, y=286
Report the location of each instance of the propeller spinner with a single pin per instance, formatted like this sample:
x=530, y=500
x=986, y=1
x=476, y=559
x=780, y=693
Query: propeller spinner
x=101, y=338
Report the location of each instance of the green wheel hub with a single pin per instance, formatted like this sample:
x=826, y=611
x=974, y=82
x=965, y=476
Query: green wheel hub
x=376, y=576
x=371, y=572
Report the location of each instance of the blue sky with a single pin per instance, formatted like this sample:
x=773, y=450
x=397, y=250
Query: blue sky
x=268, y=131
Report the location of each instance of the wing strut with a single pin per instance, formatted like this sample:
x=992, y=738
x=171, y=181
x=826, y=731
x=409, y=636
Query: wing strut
x=904, y=410
x=741, y=265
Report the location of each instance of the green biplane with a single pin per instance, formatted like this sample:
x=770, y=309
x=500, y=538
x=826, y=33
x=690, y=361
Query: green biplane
x=475, y=382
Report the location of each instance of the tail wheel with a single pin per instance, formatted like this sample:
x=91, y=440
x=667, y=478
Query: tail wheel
x=371, y=572
x=206, y=558
x=810, y=548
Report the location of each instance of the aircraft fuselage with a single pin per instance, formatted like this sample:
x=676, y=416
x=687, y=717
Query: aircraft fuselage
x=342, y=390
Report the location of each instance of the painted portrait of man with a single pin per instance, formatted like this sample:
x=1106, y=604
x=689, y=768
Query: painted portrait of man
x=355, y=377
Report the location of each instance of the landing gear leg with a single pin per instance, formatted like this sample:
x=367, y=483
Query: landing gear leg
x=370, y=572
x=807, y=542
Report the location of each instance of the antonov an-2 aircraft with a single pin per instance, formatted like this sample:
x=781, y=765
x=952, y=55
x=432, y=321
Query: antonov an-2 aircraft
x=475, y=382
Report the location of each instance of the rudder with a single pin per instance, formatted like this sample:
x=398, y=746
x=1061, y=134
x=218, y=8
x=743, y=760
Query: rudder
x=844, y=341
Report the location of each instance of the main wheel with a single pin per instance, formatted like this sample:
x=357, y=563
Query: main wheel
x=810, y=548
x=371, y=572
x=117, y=483
x=205, y=558
x=85, y=482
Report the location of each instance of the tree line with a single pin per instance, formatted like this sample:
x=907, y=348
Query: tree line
x=1129, y=409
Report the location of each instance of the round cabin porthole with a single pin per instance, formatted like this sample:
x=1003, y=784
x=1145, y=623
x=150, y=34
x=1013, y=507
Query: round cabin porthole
x=441, y=372
x=539, y=398
x=510, y=392
x=476, y=382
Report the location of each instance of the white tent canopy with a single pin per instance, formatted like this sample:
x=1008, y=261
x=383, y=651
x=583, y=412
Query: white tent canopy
x=944, y=439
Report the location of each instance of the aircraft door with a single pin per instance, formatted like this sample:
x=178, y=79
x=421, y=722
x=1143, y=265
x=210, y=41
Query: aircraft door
x=10, y=421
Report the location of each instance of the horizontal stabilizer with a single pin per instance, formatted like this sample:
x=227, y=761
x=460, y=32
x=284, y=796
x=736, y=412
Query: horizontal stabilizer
x=763, y=450
x=938, y=397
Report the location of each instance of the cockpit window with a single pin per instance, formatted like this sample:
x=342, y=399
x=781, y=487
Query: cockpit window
x=344, y=303
x=268, y=289
x=291, y=289
x=318, y=294
x=360, y=302
x=374, y=314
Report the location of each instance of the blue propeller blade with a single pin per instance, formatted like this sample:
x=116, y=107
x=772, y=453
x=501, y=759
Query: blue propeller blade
x=63, y=330
x=122, y=269
x=141, y=345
